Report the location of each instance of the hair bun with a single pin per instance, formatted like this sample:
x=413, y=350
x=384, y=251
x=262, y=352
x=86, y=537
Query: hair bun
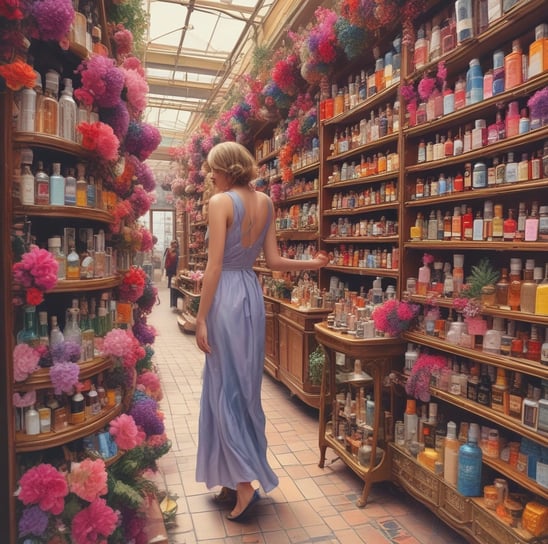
x=236, y=170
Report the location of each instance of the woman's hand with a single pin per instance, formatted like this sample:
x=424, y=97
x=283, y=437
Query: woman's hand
x=322, y=257
x=201, y=337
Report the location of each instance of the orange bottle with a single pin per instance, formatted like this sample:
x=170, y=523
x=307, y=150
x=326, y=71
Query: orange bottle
x=513, y=67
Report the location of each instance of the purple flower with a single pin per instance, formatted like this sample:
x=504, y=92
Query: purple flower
x=33, y=521
x=117, y=117
x=64, y=376
x=145, y=413
x=53, y=18
x=67, y=351
x=144, y=333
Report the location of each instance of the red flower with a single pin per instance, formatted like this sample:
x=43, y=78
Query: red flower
x=34, y=296
x=46, y=486
x=9, y=9
x=18, y=74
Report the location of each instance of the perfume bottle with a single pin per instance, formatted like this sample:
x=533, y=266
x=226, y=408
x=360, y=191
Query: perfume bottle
x=56, y=186
x=469, y=461
x=28, y=334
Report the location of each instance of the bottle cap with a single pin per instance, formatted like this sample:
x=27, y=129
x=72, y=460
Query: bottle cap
x=452, y=430
x=498, y=324
x=68, y=86
x=52, y=81
x=54, y=242
x=411, y=406
x=473, y=432
x=458, y=260
x=530, y=263
x=27, y=156
x=543, y=210
x=480, y=123
x=541, y=31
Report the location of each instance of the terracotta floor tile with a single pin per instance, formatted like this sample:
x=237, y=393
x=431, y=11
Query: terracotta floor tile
x=311, y=505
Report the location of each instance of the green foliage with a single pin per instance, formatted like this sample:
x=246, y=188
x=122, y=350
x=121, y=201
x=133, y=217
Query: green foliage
x=262, y=59
x=316, y=360
x=132, y=14
x=482, y=274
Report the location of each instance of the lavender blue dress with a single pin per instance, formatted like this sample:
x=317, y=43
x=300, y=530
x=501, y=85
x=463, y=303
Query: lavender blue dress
x=232, y=443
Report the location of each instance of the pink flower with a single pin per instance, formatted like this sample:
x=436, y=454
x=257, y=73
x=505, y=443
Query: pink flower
x=100, y=137
x=23, y=400
x=46, y=486
x=25, y=361
x=418, y=383
x=137, y=89
x=124, y=41
x=151, y=385
x=126, y=433
x=37, y=268
x=94, y=524
x=102, y=81
x=64, y=377
x=88, y=479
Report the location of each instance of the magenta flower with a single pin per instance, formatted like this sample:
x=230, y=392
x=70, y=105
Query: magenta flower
x=126, y=433
x=64, y=377
x=53, y=18
x=94, y=524
x=45, y=486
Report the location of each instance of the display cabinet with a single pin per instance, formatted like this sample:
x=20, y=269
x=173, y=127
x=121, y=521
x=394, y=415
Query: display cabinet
x=356, y=407
x=464, y=203
x=188, y=290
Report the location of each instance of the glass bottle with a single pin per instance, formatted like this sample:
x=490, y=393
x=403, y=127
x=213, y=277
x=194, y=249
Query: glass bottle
x=81, y=186
x=72, y=330
x=465, y=21
x=41, y=184
x=515, y=396
x=56, y=186
x=26, y=181
x=498, y=223
x=67, y=113
x=73, y=265
x=509, y=227
x=26, y=120
x=28, y=334
x=541, y=296
x=532, y=224
x=43, y=334
x=55, y=335
x=499, y=392
x=534, y=346
x=70, y=188
x=50, y=106
x=54, y=247
x=501, y=288
x=528, y=292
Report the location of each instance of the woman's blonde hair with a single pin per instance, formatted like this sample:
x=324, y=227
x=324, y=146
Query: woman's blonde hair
x=235, y=160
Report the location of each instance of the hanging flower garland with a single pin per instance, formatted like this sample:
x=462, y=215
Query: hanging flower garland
x=352, y=38
x=102, y=82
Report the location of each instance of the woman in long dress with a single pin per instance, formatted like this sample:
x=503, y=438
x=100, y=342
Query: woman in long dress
x=230, y=329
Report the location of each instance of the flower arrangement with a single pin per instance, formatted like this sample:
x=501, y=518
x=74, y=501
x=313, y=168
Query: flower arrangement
x=142, y=139
x=125, y=432
x=144, y=411
x=394, y=316
x=9, y=9
x=36, y=272
x=102, y=82
x=418, y=383
x=122, y=344
x=53, y=18
x=18, y=74
x=353, y=38
x=25, y=361
x=468, y=307
x=100, y=138
x=52, y=496
x=133, y=284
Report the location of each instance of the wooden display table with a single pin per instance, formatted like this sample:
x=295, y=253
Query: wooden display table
x=377, y=356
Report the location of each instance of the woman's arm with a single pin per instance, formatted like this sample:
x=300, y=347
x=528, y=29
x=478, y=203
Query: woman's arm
x=275, y=261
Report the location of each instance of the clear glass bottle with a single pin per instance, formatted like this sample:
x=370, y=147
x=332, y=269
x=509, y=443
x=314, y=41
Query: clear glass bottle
x=67, y=113
x=26, y=180
x=73, y=265
x=72, y=330
x=70, y=188
x=501, y=288
x=55, y=335
x=43, y=334
x=528, y=292
x=54, y=247
x=50, y=105
x=41, y=186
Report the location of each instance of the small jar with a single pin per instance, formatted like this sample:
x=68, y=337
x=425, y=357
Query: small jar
x=490, y=495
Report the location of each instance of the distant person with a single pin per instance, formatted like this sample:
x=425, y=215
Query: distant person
x=230, y=330
x=171, y=261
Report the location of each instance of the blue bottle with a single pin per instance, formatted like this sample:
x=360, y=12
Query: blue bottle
x=474, y=83
x=56, y=186
x=498, y=72
x=469, y=472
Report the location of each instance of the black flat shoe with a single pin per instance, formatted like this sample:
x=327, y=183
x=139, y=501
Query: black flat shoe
x=226, y=496
x=245, y=512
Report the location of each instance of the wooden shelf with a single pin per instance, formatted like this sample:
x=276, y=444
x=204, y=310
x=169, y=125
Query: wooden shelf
x=355, y=182
x=452, y=245
x=40, y=378
x=27, y=443
x=524, y=366
x=307, y=195
x=389, y=139
x=361, y=209
x=306, y=169
x=65, y=212
x=356, y=239
x=94, y=284
x=290, y=234
x=51, y=143
x=383, y=272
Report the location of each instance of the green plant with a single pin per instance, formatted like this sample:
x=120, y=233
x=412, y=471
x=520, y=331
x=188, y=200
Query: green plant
x=482, y=274
x=316, y=360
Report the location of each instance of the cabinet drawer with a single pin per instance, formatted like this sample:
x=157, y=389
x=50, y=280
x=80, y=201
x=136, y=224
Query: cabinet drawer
x=415, y=479
x=488, y=530
x=454, y=505
x=269, y=307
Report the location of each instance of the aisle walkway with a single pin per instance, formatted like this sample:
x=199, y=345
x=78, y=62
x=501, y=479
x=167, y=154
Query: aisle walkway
x=311, y=505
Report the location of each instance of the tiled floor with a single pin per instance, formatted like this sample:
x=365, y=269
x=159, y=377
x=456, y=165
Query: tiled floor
x=311, y=505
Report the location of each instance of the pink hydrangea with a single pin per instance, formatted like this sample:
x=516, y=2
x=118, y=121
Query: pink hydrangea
x=23, y=400
x=92, y=525
x=25, y=361
x=37, y=268
x=45, y=486
x=126, y=433
x=123, y=38
x=88, y=479
x=150, y=382
x=102, y=82
x=137, y=89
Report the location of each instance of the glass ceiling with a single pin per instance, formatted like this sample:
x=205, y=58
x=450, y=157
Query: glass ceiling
x=192, y=53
